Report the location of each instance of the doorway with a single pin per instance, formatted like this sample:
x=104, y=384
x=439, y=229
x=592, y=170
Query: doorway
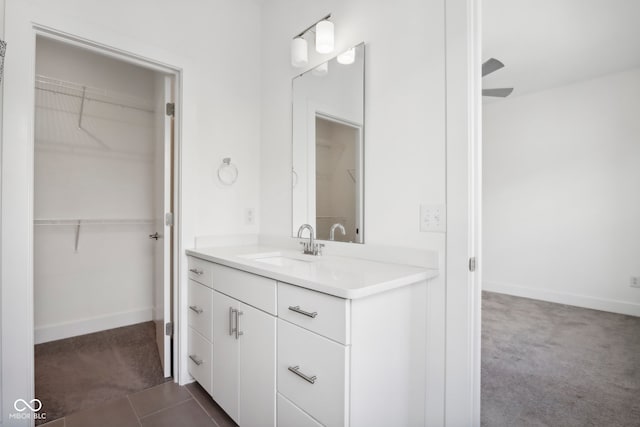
x=338, y=148
x=104, y=155
x=560, y=313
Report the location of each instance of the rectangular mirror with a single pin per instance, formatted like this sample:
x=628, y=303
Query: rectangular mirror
x=328, y=148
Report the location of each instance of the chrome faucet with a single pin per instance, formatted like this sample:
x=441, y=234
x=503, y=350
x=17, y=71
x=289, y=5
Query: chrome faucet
x=332, y=231
x=310, y=247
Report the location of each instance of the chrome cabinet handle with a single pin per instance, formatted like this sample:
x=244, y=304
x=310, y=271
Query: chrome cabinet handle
x=305, y=313
x=196, y=271
x=238, y=331
x=296, y=370
x=195, y=308
x=195, y=359
x=232, y=312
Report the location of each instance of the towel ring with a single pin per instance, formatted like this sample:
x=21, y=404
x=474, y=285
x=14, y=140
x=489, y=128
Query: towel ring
x=227, y=172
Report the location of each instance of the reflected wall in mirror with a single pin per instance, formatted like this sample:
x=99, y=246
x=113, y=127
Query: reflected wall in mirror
x=328, y=148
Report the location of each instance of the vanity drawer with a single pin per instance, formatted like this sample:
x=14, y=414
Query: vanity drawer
x=200, y=271
x=199, y=360
x=251, y=289
x=323, y=397
x=321, y=313
x=200, y=307
x=289, y=415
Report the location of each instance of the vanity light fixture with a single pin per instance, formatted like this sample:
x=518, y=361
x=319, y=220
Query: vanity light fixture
x=324, y=36
x=347, y=57
x=299, y=55
x=324, y=39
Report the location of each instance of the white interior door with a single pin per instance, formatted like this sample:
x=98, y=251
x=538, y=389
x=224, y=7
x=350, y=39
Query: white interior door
x=163, y=221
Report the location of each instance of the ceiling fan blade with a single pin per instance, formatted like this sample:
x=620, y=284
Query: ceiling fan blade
x=501, y=92
x=490, y=66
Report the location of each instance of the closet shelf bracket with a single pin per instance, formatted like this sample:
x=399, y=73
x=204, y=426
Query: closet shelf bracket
x=77, y=236
x=84, y=94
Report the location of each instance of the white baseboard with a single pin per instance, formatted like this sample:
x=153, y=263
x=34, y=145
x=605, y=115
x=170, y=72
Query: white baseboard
x=95, y=324
x=614, y=306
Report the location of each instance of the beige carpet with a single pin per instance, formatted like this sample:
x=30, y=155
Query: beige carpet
x=81, y=372
x=546, y=364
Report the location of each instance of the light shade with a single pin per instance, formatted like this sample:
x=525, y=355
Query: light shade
x=347, y=57
x=321, y=70
x=324, y=37
x=299, y=55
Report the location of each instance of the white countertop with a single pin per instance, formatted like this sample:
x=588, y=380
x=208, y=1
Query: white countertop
x=340, y=276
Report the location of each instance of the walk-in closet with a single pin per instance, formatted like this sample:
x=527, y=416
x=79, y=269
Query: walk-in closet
x=102, y=233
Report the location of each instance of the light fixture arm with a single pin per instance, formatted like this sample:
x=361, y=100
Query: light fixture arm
x=306, y=30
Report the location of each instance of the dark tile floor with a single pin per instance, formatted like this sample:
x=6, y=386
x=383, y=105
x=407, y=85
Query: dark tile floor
x=165, y=405
x=85, y=371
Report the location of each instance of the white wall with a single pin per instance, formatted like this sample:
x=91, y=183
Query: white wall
x=404, y=131
x=404, y=110
x=220, y=116
x=107, y=174
x=561, y=194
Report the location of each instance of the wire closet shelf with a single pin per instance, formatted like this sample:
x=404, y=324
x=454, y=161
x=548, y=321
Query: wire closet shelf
x=77, y=223
x=76, y=90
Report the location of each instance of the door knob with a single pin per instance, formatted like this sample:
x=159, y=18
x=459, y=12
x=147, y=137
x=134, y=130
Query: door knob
x=154, y=236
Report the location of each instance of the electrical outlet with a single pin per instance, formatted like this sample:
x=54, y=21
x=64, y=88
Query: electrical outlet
x=433, y=218
x=249, y=216
x=634, y=282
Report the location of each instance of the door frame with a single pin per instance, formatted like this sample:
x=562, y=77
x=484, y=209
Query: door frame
x=176, y=75
x=464, y=210
x=317, y=111
x=17, y=305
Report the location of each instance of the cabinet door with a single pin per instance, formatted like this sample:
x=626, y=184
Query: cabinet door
x=225, y=354
x=257, y=350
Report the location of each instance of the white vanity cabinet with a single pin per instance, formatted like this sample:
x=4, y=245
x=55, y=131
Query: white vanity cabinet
x=289, y=355
x=232, y=340
x=200, y=309
x=244, y=361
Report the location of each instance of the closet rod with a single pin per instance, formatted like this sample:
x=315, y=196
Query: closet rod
x=88, y=98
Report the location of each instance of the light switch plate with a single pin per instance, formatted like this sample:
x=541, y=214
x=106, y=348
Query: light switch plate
x=433, y=218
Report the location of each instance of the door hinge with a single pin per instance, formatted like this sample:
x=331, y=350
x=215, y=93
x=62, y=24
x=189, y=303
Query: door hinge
x=472, y=264
x=168, y=218
x=171, y=109
x=168, y=329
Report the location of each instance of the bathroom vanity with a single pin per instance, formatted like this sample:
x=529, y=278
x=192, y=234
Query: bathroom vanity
x=281, y=338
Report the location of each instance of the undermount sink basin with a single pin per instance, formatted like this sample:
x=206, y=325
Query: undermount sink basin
x=279, y=259
x=282, y=261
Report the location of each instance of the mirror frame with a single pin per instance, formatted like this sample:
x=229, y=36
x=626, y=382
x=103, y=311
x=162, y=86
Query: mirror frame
x=360, y=157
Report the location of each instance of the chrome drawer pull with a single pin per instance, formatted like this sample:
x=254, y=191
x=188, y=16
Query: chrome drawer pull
x=305, y=313
x=232, y=312
x=296, y=370
x=196, y=271
x=195, y=359
x=195, y=308
x=238, y=331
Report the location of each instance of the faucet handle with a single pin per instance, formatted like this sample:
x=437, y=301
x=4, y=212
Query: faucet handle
x=320, y=246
